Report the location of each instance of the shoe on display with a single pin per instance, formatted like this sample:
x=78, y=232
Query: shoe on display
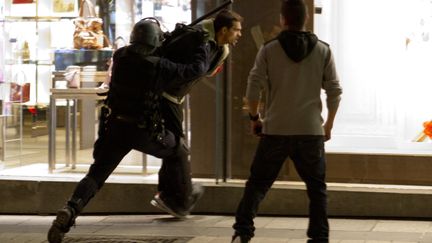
x=61, y=225
x=163, y=205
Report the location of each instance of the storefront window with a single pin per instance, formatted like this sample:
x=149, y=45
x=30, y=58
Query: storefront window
x=382, y=50
x=31, y=34
x=381, y=47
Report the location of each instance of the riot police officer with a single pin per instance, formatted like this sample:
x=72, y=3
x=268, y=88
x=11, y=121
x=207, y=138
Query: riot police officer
x=131, y=117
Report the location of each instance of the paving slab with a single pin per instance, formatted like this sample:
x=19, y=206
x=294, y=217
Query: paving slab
x=211, y=229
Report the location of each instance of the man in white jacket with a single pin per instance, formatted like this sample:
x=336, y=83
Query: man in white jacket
x=291, y=69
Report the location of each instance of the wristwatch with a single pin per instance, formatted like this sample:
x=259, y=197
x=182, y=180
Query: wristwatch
x=253, y=118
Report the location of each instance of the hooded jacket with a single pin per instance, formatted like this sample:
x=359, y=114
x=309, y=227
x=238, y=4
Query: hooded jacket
x=177, y=89
x=292, y=69
x=180, y=50
x=207, y=26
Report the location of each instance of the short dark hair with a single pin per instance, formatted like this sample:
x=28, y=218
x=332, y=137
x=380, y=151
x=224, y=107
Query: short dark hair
x=294, y=12
x=225, y=18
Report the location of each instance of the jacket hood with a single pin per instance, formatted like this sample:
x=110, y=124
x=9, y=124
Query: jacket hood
x=208, y=27
x=297, y=44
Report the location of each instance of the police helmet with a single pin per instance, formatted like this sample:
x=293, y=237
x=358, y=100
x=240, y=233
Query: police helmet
x=147, y=32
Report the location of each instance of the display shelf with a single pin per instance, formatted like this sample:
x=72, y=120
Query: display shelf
x=29, y=35
x=33, y=26
x=35, y=18
x=29, y=62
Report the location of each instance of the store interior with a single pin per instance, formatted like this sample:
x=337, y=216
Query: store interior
x=36, y=44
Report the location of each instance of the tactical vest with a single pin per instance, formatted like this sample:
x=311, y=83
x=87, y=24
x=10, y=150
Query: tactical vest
x=134, y=93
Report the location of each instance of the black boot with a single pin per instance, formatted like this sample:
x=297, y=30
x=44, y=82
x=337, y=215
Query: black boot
x=64, y=220
x=66, y=216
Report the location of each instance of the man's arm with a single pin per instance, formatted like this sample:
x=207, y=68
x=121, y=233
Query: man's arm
x=184, y=72
x=256, y=83
x=255, y=121
x=253, y=107
x=333, y=91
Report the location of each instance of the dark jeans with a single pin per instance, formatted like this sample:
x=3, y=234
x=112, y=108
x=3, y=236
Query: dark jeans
x=175, y=182
x=116, y=139
x=307, y=153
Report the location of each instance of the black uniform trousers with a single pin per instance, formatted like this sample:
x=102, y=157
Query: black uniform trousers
x=116, y=139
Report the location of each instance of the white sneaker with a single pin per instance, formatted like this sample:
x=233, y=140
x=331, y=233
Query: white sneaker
x=158, y=202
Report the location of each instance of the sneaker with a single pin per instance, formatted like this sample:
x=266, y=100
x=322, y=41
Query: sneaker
x=197, y=193
x=61, y=225
x=240, y=239
x=163, y=205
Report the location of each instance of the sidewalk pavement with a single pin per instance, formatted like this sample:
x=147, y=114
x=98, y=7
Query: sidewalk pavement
x=209, y=229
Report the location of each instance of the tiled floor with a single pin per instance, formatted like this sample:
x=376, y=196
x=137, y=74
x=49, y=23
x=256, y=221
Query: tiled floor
x=215, y=229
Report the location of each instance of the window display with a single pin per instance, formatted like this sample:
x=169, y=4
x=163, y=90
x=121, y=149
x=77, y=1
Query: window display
x=37, y=40
x=384, y=67
x=383, y=60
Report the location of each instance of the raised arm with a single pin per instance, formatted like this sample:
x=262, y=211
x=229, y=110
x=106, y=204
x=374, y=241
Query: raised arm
x=184, y=72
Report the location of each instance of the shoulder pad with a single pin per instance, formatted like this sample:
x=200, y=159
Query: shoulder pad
x=120, y=52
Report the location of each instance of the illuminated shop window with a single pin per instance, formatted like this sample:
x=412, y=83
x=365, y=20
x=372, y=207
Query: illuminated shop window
x=382, y=50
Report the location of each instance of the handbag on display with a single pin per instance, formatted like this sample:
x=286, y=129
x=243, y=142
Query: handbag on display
x=88, y=32
x=72, y=76
x=20, y=89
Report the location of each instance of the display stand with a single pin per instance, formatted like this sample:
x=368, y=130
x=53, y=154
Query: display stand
x=11, y=129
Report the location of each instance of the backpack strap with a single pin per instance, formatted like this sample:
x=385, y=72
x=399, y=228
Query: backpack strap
x=173, y=99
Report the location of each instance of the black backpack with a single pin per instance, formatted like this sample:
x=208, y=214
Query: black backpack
x=181, y=42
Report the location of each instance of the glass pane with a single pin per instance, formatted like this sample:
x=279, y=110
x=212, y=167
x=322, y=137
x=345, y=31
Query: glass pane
x=386, y=87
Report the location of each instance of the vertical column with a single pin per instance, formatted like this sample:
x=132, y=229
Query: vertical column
x=67, y=131
x=52, y=134
x=74, y=129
